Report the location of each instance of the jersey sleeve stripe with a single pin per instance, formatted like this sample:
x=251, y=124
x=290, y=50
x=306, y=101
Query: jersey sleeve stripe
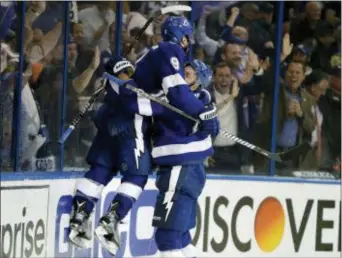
x=172, y=81
x=178, y=149
x=173, y=180
x=144, y=106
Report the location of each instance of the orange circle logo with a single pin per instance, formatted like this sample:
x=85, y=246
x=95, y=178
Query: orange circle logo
x=269, y=224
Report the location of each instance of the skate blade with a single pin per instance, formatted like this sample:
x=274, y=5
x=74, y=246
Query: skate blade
x=110, y=246
x=78, y=241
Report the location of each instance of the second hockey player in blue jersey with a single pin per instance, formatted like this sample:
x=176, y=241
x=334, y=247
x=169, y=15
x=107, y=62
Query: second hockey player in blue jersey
x=178, y=148
x=121, y=144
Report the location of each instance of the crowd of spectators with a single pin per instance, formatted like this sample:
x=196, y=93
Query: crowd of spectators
x=236, y=39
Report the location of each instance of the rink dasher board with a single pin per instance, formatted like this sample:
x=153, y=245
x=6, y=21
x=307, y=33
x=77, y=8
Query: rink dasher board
x=238, y=216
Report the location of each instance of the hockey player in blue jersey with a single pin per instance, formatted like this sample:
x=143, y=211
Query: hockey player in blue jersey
x=118, y=146
x=179, y=146
x=181, y=184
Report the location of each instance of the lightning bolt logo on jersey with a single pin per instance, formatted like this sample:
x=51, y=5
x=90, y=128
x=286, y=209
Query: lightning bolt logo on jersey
x=139, y=138
x=168, y=203
x=177, y=194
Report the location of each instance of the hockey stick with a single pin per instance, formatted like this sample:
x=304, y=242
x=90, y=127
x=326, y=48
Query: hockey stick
x=279, y=157
x=156, y=14
x=81, y=113
x=162, y=11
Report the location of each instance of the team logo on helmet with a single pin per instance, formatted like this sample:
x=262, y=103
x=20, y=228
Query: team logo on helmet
x=175, y=63
x=185, y=23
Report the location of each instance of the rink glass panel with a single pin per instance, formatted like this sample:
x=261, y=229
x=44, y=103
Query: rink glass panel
x=8, y=80
x=42, y=92
x=84, y=53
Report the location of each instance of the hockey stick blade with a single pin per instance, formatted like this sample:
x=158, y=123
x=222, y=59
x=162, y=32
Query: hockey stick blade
x=175, y=8
x=155, y=15
x=293, y=154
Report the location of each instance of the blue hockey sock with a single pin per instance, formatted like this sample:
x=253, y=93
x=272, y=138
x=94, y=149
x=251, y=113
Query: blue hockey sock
x=128, y=192
x=125, y=204
x=90, y=201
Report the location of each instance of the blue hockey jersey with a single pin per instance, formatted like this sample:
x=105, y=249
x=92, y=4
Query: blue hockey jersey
x=174, y=141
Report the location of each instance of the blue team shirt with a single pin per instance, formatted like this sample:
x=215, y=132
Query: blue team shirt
x=288, y=136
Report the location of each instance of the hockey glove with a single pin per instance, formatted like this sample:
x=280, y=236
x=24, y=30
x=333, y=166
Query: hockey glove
x=209, y=124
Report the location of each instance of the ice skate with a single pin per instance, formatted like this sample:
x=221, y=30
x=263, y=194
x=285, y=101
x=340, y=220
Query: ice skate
x=107, y=231
x=80, y=227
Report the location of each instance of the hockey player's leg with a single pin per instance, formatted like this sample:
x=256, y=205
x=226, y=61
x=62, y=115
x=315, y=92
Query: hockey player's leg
x=127, y=194
x=135, y=165
x=88, y=191
x=175, y=211
x=188, y=249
